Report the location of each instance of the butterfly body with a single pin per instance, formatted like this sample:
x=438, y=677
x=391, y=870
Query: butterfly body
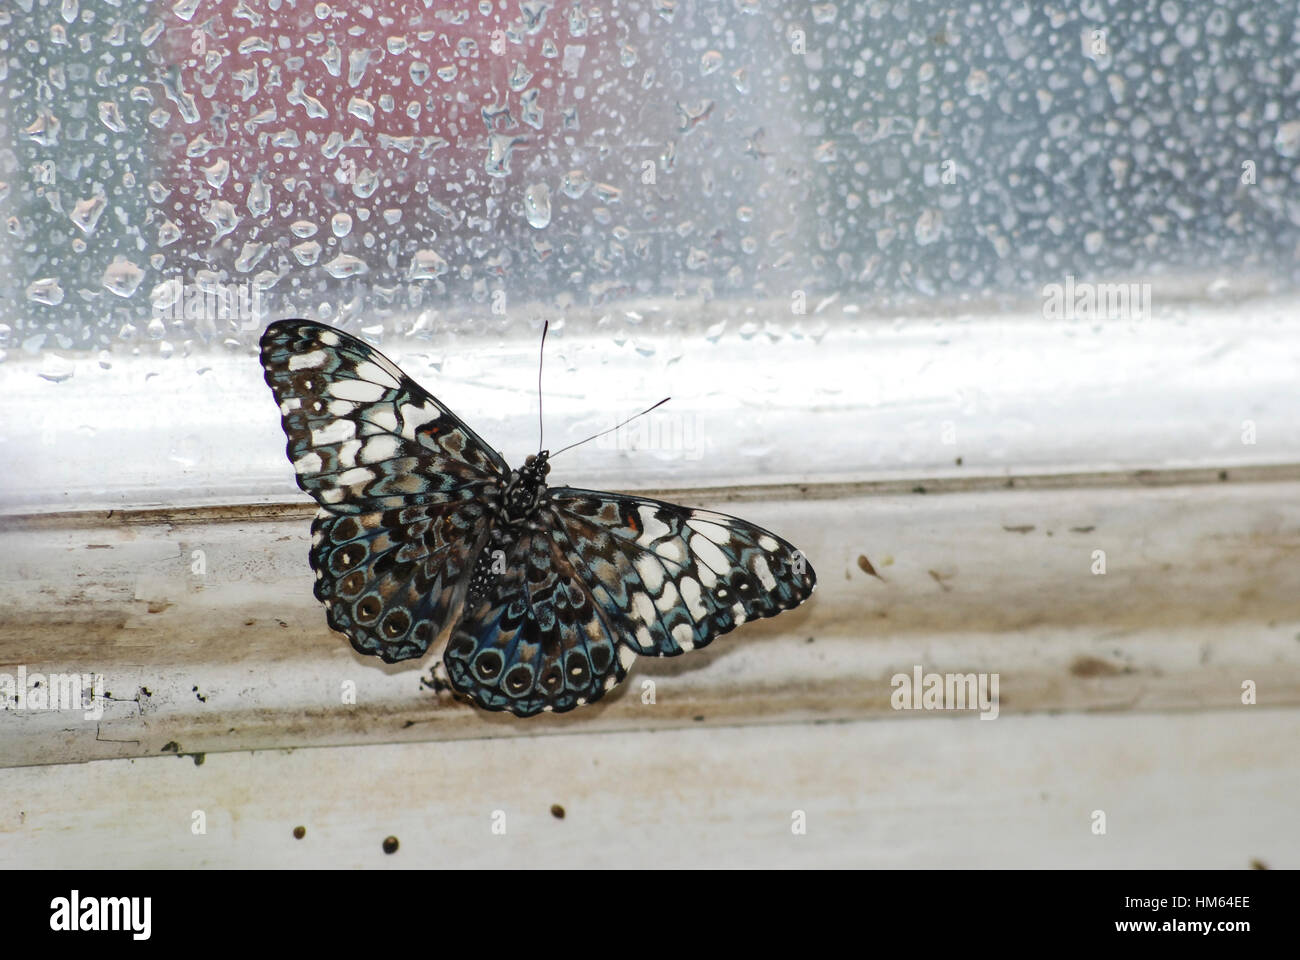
x=541, y=596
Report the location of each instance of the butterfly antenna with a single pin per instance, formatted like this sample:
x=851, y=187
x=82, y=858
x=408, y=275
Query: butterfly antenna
x=611, y=429
x=541, y=352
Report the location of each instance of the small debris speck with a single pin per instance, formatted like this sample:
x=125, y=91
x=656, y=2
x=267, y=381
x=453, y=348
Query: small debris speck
x=865, y=566
x=299, y=832
x=557, y=811
x=390, y=844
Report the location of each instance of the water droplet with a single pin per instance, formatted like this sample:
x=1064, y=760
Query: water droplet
x=365, y=184
x=259, y=198
x=306, y=253
x=122, y=277
x=110, y=117
x=346, y=265
x=575, y=184
x=500, y=146
x=1287, y=139
x=362, y=109
x=46, y=291
x=250, y=255
x=86, y=213
x=221, y=214
x=426, y=265
x=929, y=225
x=218, y=173
x=537, y=205
x=341, y=224
x=168, y=233
x=519, y=77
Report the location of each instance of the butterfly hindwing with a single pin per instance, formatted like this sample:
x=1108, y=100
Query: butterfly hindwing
x=532, y=638
x=393, y=580
x=363, y=436
x=673, y=577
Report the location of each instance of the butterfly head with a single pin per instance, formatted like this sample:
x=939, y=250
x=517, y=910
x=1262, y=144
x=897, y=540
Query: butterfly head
x=526, y=489
x=538, y=464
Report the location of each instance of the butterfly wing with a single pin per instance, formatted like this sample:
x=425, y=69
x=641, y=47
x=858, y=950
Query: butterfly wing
x=606, y=577
x=399, y=479
x=532, y=637
x=363, y=436
x=393, y=580
x=679, y=577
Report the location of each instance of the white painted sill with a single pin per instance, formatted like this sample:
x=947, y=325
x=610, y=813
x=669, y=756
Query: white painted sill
x=1201, y=592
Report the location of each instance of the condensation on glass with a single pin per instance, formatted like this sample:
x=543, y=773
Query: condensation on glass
x=737, y=196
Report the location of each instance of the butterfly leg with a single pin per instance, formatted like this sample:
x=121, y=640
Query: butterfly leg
x=438, y=681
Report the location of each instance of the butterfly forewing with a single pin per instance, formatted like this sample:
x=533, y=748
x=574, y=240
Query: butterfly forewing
x=363, y=436
x=676, y=578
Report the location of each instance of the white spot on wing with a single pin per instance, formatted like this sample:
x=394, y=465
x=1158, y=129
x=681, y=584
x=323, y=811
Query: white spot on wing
x=764, y=574
x=691, y=594
x=671, y=550
x=715, y=532
x=384, y=419
x=382, y=447
x=738, y=613
x=414, y=417
x=331, y=494
x=651, y=571
x=308, y=463
x=355, y=477
x=308, y=361
x=336, y=431
x=684, y=636
x=644, y=639
x=768, y=544
x=626, y=654
x=645, y=607
x=707, y=552
x=668, y=599
x=362, y=391
x=376, y=374
x=329, y=339
x=348, y=453
x=291, y=404
x=652, y=528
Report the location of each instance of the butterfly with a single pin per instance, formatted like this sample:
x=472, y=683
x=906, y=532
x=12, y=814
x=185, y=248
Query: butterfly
x=540, y=597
